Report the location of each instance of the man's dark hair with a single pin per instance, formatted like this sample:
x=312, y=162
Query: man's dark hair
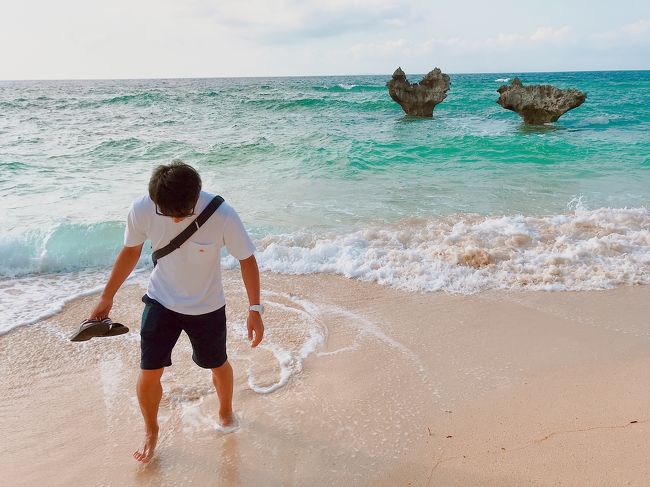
x=175, y=188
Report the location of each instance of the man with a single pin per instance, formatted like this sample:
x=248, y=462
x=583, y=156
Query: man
x=185, y=292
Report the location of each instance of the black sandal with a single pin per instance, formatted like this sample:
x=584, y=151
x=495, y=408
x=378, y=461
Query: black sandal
x=98, y=328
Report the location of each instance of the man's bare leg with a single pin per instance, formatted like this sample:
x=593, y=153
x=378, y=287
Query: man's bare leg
x=149, y=395
x=223, y=382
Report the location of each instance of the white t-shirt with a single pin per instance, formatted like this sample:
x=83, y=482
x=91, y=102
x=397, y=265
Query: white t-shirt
x=188, y=280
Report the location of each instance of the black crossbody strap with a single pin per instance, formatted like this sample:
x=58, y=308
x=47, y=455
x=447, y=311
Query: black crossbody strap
x=180, y=239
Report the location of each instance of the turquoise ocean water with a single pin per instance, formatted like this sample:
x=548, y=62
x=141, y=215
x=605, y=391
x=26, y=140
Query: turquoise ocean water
x=330, y=176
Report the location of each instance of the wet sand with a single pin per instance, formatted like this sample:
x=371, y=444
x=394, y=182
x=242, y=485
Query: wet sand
x=397, y=388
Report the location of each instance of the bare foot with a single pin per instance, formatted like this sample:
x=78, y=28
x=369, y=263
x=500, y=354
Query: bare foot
x=226, y=419
x=146, y=452
x=228, y=423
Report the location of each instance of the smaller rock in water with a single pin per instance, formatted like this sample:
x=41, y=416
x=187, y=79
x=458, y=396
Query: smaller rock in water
x=419, y=99
x=538, y=104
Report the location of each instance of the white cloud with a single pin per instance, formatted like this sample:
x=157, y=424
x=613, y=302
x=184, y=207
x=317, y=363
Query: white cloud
x=633, y=32
x=194, y=38
x=499, y=42
x=398, y=46
x=289, y=20
x=640, y=28
x=549, y=34
x=541, y=36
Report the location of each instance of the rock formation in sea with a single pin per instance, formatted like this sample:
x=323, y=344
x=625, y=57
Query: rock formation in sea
x=538, y=104
x=418, y=99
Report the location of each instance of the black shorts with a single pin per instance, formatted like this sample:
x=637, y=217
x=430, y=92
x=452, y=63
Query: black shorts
x=161, y=328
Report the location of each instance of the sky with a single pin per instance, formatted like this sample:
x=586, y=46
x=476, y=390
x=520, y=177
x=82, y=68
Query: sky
x=89, y=39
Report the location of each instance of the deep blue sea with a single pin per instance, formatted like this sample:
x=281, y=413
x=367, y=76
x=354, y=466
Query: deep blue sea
x=330, y=176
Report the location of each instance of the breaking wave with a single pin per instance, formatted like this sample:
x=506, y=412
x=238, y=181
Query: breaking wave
x=465, y=254
x=589, y=249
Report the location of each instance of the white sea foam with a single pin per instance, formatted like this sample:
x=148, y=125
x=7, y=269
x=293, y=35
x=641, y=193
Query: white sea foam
x=226, y=430
x=193, y=418
x=595, y=120
x=30, y=299
x=502, y=80
x=587, y=249
x=582, y=249
x=366, y=327
x=110, y=374
x=290, y=343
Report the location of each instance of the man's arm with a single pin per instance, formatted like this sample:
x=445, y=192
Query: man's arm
x=124, y=264
x=251, y=276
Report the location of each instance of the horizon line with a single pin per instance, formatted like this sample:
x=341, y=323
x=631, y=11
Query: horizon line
x=162, y=78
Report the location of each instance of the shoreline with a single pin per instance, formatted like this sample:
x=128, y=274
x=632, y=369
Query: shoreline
x=384, y=387
x=463, y=254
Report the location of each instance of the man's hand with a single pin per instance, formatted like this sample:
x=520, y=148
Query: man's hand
x=124, y=263
x=255, y=328
x=101, y=309
x=251, y=276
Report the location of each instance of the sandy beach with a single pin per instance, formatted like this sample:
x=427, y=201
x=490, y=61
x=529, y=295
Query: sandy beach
x=356, y=384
